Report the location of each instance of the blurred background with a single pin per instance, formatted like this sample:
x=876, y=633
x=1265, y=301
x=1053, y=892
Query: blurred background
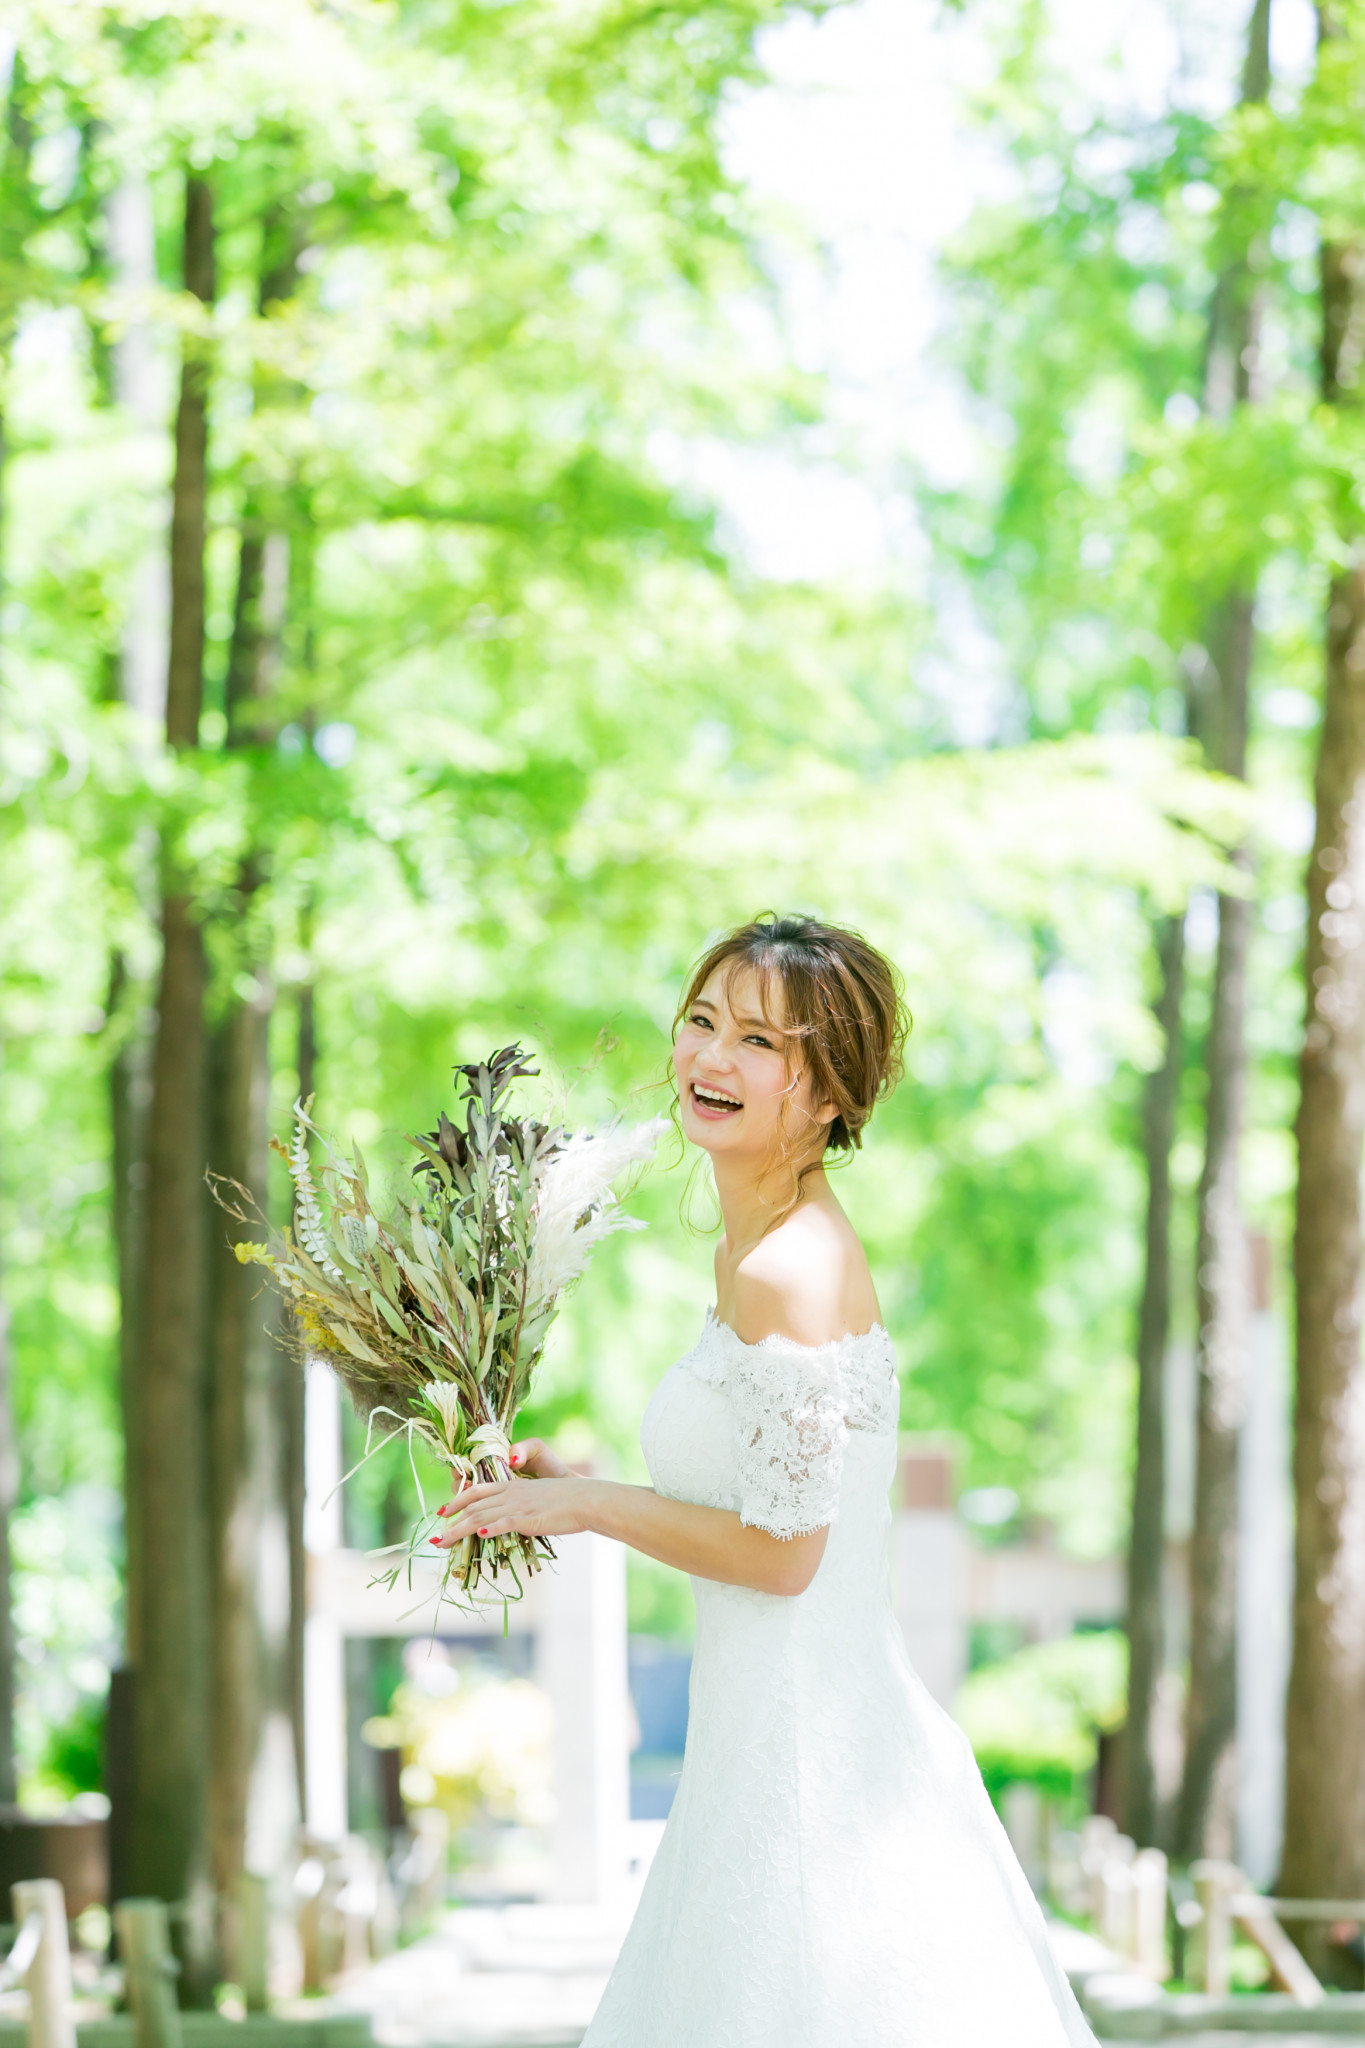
x=493, y=492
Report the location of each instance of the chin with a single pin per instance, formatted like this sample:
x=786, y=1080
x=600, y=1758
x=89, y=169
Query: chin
x=710, y=1137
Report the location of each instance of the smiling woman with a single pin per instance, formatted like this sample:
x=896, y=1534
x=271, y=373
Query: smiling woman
x=788, y=1035
x=832, y=1870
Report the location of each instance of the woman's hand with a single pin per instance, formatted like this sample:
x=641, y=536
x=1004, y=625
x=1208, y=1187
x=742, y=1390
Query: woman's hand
x=527, y=1507
x=535, y=1460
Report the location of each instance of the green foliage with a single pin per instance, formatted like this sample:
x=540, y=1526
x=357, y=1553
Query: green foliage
x=530, y=736
x=73, y=1760
x=66, y=1612
x=1035, y=1716
x=658, y=1601
x=1118, y=495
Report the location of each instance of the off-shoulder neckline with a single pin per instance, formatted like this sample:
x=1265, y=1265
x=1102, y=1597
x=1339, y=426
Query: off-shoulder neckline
x=713, y=1322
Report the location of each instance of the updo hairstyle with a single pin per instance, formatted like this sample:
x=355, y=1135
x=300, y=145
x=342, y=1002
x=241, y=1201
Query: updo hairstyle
x=843, y=999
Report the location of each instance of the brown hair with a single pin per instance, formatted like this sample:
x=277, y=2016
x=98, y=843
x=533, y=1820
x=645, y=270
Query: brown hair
x=843, y=999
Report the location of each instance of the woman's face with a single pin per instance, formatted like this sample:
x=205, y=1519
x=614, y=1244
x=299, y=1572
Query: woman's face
x=743, y=1088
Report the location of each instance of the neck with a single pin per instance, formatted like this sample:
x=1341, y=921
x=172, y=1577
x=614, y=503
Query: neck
x=753, y=1199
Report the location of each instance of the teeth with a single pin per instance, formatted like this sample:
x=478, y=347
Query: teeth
x=711, y=1095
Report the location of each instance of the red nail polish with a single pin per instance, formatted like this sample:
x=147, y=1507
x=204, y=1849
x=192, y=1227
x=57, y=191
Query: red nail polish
x=483, y=1532
x=433, y=1539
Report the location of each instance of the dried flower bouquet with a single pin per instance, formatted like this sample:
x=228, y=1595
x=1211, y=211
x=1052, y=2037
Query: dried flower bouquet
x=435, y=1320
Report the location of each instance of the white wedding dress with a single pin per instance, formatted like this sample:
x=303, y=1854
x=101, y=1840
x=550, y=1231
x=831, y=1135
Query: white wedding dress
x=832, y=1874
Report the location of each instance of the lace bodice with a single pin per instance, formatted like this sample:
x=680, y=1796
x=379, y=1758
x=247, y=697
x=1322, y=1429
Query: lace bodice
x=775, y=1452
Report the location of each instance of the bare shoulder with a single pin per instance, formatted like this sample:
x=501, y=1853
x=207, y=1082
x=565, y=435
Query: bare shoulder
x=807, y=1280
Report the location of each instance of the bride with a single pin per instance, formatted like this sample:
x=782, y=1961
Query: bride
x=832, y=1874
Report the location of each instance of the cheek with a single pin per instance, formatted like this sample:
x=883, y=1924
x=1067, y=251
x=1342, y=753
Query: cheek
x=767, y=1082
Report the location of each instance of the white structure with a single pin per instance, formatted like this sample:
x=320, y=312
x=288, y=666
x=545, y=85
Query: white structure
x=324, y=1630
x=929, y=1563
x=574, y=1609
x=1038, y=1587
x=581, y=1663
x=944, y=1581
x=1265, y=1571
x=1265, y=1584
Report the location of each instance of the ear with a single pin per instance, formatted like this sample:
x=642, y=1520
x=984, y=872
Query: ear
x=824, y=1113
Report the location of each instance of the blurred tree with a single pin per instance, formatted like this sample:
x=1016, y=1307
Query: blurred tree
x=1135, y=504
x=168, y=1469
x=1145, y=1614
x=1221, y=1262
x=255, y=1455
x=1324, y=1837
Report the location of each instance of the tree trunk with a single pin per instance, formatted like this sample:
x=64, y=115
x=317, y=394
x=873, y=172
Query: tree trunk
x=250, y=1613
x=1204, y=1810
x=251, y=1653
x=185, y=663
x=254, y=1775
x=129, y=1090
x=1147, y=1540
x=129, y=1086
x=168, y=1473
x=1324, y=1836
x=1223, y=1285
x=140, y=682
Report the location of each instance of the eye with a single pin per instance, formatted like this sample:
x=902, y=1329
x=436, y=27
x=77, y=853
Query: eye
x=697, y=1018
x=757, y=1038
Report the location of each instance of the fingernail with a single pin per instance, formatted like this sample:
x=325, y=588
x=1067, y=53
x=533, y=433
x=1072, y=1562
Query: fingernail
x=483, y=1532
x=433, y=1539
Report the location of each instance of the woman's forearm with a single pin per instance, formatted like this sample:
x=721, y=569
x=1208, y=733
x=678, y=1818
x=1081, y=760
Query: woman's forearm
x=709, y=1543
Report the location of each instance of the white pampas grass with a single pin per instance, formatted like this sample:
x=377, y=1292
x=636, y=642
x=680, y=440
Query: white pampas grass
x=444, y=1397
x=576, y=1205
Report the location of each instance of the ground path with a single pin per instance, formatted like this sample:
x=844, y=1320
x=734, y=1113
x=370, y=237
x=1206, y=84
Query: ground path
x=520, y=1976
x=530, y=1976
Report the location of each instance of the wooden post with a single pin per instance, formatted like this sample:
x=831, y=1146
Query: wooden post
x=144, y=1944
x=253, y=1930
x=1116, y=1894
x=50, y=2024
x=309, y=1880
x=1098, y=1834
x=1288, y=1969
x=1149, y=1914
x=1215, y=1885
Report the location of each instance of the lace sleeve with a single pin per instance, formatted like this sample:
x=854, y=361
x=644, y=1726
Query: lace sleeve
x=790, y=1417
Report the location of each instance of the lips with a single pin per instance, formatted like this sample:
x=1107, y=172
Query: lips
x=713, y=1102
